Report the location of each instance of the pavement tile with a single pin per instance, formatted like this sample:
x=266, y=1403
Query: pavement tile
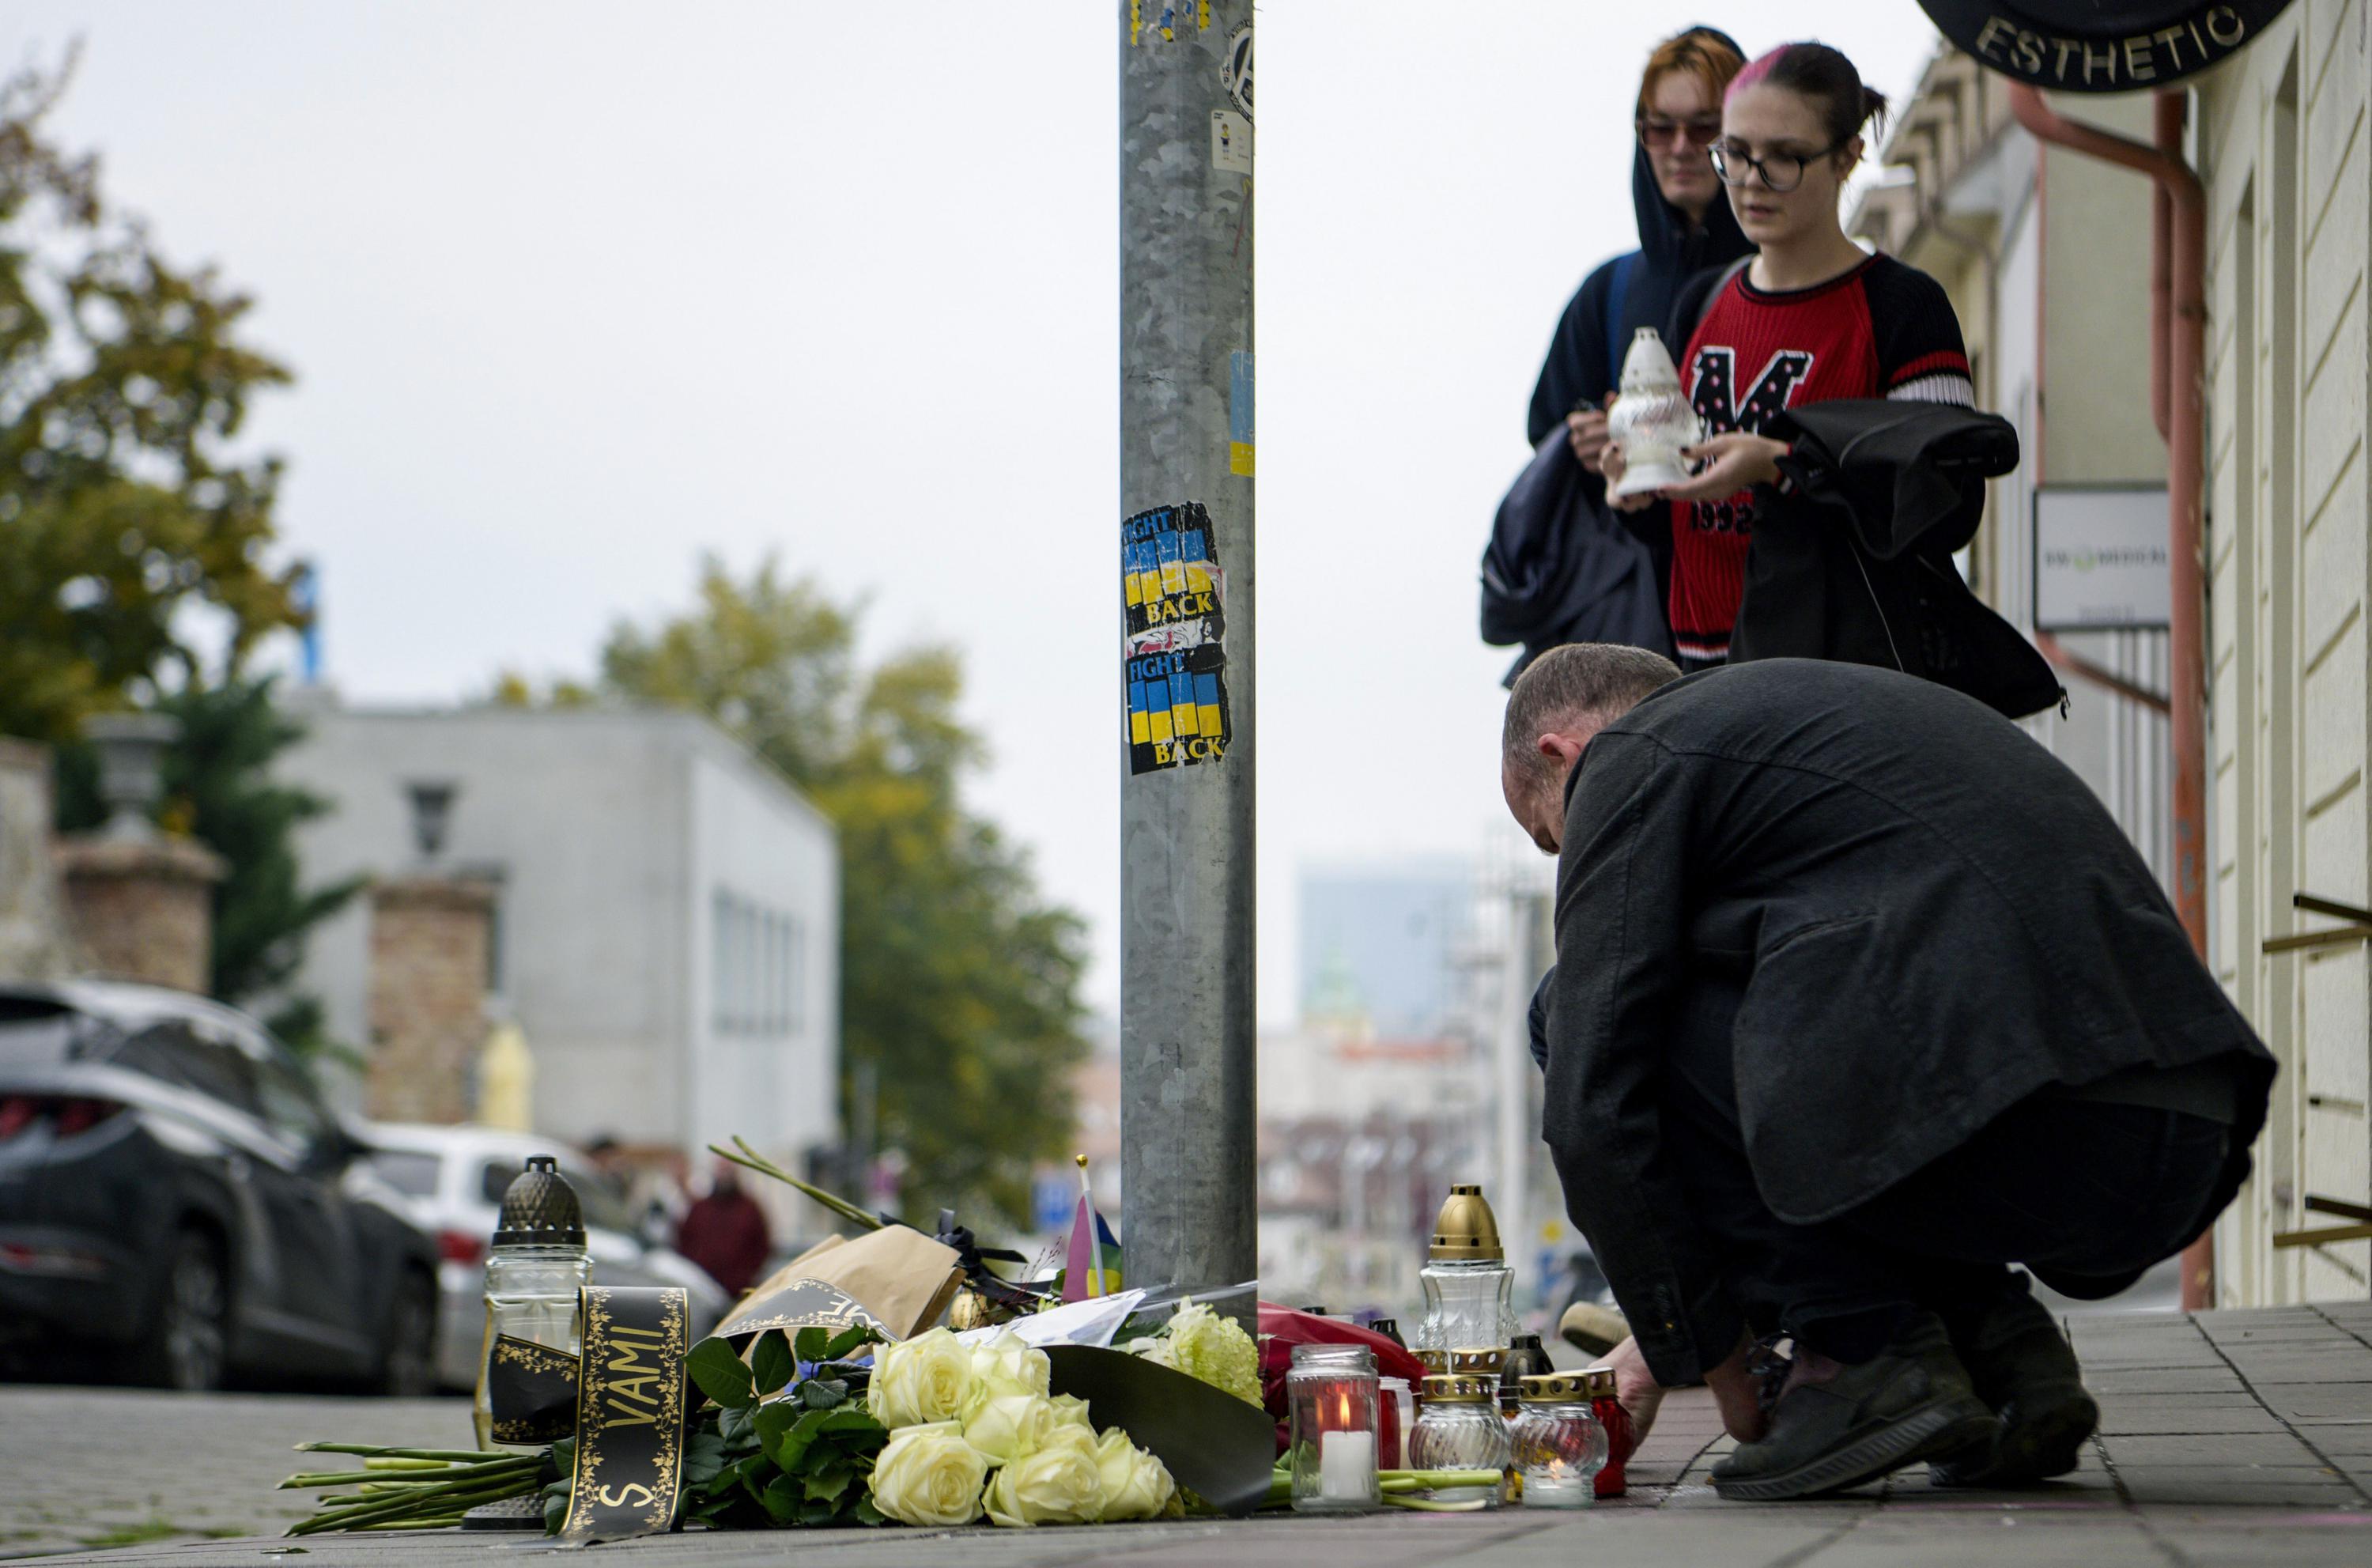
x=2122, y=1423
x=2250, y=1448
x=2334, y=1399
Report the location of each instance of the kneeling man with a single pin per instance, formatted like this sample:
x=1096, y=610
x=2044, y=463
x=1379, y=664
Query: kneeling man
x=1861, y=998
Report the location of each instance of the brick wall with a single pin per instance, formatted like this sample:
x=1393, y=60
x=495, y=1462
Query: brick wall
x=140, y=910
x=429, y=951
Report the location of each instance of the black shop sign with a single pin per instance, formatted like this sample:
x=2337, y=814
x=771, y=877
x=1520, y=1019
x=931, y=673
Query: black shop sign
x=2101, y=46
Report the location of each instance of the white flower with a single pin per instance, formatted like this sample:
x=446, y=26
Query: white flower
x=1134, y=1484
x=929, y=1475
x=1006, y=1427
x=923, y=1380
x=1071, y=1410
x=1006, y=1366
x=1056, y=1485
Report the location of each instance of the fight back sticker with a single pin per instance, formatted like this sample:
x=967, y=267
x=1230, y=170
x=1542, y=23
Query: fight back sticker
x=1174, y=656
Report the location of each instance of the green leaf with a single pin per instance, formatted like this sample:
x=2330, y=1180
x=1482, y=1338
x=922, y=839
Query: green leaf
x=829, y=1482
x=822, y=1393
x=770, y=1366
x=703, y=1455
x=811, y=1343
x=721, y=1375
x=853, y=1419
x=847, y=1341
x=866, y=1513
x=781, y=1499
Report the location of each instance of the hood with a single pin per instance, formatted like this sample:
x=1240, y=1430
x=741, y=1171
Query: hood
x=1663, y=228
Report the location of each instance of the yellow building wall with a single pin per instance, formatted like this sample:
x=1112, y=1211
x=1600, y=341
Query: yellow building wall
x=2280, y=145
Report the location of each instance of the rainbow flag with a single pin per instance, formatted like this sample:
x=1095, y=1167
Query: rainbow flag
x=1092, y=1267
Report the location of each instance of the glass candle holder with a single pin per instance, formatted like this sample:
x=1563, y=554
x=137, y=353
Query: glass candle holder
x=1462, y=1429
x=1560, y=1446
x=1331, y=1393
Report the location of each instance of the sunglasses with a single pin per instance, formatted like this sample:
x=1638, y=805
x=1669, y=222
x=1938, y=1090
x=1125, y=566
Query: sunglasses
x=1655, y=130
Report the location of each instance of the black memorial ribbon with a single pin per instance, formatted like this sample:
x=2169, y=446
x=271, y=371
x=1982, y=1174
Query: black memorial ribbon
x=530, y=1392
x=631, y=1406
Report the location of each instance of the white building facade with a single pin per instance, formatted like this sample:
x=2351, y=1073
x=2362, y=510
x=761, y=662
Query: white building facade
x=668, y=929
x=2278, y=139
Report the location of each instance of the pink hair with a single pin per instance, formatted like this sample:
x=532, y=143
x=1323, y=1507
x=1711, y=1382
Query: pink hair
x=1754, y=71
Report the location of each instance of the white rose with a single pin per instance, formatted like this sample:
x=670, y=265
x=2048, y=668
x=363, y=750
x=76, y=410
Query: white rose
x=1006, y=1427
x=1132, y=1483
x=923, y=1380
x=930, y=1476
x=1008, y=1366
x=1072, y=1410
x=1056, y=1485
x=1071, y=1434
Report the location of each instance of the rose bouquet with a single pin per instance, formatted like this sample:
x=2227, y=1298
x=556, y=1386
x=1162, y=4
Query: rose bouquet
x=973, y=1430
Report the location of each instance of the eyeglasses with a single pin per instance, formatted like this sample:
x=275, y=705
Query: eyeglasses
x=1655, y=130
x=1780, y=172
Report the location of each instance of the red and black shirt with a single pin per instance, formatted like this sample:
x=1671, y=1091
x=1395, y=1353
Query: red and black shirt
x=1883, y=330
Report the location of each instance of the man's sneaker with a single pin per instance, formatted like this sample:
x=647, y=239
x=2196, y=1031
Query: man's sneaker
x=1591, y=1329
x=1912, y=1400
x=2023, y=1369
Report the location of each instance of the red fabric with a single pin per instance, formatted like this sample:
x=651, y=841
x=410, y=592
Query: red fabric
x=1280, y=1328
x=725, y=1233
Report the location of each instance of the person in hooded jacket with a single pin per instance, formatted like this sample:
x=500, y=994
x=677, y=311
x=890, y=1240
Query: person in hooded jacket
x=1684, y=227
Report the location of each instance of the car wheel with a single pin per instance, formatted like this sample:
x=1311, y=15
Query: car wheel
x=190, y=1341
x=409, y=1371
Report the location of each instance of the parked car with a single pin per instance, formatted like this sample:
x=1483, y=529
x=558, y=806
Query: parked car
x=454, y=1179
x=175, y=1195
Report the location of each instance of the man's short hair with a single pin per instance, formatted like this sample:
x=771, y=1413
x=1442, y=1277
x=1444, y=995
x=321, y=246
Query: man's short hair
x=1595, y=682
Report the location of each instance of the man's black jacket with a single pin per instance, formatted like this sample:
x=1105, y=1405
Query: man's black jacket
x=1905, y=913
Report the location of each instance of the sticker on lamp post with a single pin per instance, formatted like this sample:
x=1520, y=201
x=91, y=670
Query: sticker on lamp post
x=1173, y=653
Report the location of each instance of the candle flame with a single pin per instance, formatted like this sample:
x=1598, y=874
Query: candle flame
x=1344, y=1423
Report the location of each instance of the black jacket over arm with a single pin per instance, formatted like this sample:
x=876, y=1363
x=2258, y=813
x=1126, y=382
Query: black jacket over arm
x=1905, y=913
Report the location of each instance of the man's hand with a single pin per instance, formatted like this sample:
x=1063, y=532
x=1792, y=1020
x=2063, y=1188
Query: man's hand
x=1585, y=431
x=1635, y=1388
x=1735, y=1393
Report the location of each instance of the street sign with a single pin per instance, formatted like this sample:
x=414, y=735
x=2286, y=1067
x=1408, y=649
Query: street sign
x=2100, y=558
x=2101, y=46
x=1051, y=1199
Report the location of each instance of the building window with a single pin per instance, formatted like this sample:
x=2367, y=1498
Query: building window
x=758, y=964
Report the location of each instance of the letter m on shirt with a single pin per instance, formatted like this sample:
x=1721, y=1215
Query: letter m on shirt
x=1716, y=396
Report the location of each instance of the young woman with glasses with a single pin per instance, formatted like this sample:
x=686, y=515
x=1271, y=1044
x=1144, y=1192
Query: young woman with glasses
x=1684, y=227
x=1811, y=318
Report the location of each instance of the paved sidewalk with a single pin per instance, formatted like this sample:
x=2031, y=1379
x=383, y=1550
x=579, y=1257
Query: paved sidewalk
x=2226, y=1438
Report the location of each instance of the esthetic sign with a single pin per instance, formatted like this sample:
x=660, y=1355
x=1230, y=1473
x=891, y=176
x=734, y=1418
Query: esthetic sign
x=2101, y=46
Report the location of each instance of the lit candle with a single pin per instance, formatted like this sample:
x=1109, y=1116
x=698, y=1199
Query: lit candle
x=1346, y=1466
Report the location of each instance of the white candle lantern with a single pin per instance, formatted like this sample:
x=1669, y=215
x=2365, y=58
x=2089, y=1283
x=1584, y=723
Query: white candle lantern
x=1651, y=421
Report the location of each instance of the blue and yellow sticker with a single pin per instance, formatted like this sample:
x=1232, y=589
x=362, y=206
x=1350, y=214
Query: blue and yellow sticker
x=1175, y=661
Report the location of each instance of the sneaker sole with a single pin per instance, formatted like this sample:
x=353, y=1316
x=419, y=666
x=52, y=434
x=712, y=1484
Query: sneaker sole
x=1905, y=1440
x=2033, y=1447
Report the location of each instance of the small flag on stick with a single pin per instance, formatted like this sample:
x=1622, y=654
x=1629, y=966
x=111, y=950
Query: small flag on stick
x=1093, y=1266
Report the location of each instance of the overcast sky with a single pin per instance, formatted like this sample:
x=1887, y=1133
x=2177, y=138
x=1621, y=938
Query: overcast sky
x=575, y=293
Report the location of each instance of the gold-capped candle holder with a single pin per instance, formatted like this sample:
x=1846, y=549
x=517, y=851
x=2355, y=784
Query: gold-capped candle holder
x=1560, y=1445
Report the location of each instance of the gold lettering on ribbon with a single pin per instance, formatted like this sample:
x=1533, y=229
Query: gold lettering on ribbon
x=630, y=1413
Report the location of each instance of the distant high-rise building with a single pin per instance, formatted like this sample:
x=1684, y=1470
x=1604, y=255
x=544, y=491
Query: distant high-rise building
x=1378, y=943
